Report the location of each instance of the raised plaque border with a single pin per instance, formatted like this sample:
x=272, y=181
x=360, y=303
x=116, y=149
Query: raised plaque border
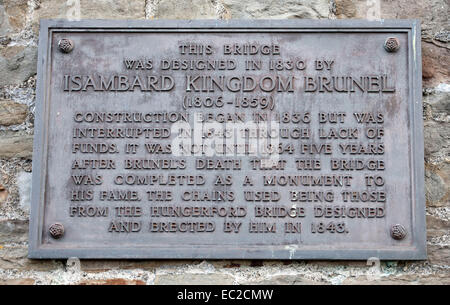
x=40, y=146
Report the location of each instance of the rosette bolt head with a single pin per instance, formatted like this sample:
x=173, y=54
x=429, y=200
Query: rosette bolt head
x=56, y=230
x=398, y=232
x=391, y=44
x=66, y=45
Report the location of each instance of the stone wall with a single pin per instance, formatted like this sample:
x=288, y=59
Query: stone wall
x=19, y=23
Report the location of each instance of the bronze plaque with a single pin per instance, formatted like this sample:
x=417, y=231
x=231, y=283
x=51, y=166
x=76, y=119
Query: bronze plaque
x=239, y=139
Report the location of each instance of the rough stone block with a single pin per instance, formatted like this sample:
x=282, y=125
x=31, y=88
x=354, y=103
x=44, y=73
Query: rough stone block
x=87, y=9
x=188, y=9
x=117, y=281
x=13, y=231
x=22, y=281
x=437, y=187
x=277, y=9
x=435, y=63
x=438, y=255
x=408, y=279
x=17, y=64
x=284, y=280
x=24, y=184
x=433, y=14
x=194, y=279
x=3, y=194
x=435, y=137
x=14, y=257
x=12, y=113
x=14, y=145
x=13, y=15
x=96, y=266
x=439, y=104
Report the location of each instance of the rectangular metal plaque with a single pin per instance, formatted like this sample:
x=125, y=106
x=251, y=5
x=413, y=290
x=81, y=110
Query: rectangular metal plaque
x=239, y=139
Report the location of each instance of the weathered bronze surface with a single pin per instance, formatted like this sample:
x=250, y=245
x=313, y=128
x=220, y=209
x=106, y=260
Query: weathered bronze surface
x=208, y=139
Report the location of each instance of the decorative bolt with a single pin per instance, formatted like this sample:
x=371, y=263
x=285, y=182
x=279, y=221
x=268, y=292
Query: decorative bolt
x=398, y=232
x=66, y=45
x=392, y=44
x=56, y=230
